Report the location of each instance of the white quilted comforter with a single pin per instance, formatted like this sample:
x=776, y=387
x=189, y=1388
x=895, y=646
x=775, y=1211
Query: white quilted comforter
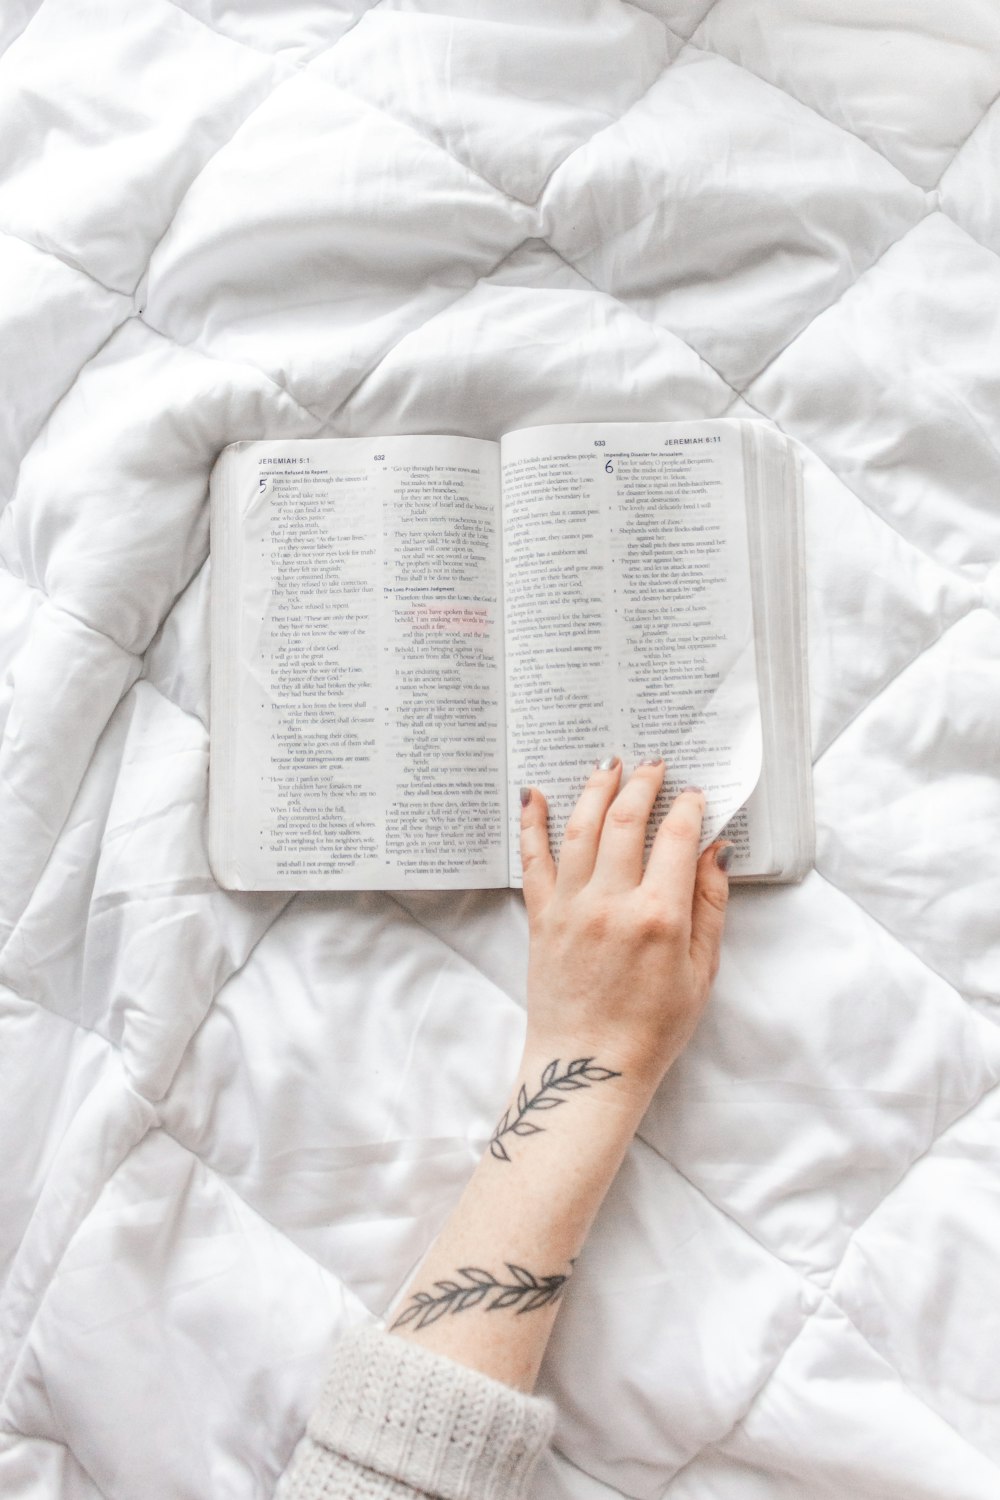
x=231, y=1124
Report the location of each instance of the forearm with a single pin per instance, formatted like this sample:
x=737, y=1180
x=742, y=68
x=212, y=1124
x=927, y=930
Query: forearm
x=620, y=964
x=489, y=1289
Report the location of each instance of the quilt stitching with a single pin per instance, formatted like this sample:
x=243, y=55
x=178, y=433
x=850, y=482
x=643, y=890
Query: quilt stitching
x=737, y=394
x=228, y=1187
x=803, y=1276
x=323, y=421
x=31, y=1437
x=720, y=1208
x=57, y=604
x=965, y=139
x=878, y=922
x=690, y=47
x=837, y=124
x=736, y=390
x=685, y=43
x=93, y=1031
x=64, y=260
x=826, y=1297
x=239, y=41
x=807, y=1277
x=195, y=346
x=886, y=683
x=915, y=1395
x=10, y=1359
x=463, y=959
x=740, y=393
x=512, y=198
x=18, y=34
x=719, y=1442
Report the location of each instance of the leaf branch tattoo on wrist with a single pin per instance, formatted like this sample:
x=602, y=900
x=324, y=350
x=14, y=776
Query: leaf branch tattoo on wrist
x=579, y=1074
x=525, y=1288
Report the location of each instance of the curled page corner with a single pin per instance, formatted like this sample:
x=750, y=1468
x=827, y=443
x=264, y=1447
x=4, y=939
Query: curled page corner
x=722, y=750
x=730, y=723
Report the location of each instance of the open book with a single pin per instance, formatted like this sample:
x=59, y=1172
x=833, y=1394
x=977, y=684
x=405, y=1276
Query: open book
x=406, y=630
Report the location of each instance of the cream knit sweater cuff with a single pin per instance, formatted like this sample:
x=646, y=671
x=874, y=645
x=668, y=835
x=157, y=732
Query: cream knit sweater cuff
x=391, y=1406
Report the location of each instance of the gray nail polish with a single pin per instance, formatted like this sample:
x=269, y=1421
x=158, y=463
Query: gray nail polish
x=525, y=795
x=693, y=789
x=724, y=856
x=608, y=764
x=657, y=760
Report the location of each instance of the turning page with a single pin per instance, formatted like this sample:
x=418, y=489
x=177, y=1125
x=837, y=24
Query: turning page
x=358, y=737
x=628, y=612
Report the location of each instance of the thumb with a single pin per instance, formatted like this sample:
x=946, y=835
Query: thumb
x=708, y=914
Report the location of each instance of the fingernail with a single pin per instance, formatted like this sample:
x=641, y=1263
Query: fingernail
x=608, y=764
x=525, y=795
x=693, y=789
x=724, y=856
x=656, y=761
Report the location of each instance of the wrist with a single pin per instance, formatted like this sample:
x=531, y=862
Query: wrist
x=606, y=1081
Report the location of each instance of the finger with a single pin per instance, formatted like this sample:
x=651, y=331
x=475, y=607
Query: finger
x=708, y=913
x=623, y=839
x=674, y=855
x=537, y=865
x=583, y=831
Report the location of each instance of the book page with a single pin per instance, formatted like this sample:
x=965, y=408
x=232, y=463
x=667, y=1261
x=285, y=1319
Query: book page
x=628, y=614
x=369, y=714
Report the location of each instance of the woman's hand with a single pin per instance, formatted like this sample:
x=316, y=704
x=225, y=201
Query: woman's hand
x=620, y=959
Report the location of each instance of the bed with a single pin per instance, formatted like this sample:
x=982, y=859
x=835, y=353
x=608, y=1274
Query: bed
x=231, y=1124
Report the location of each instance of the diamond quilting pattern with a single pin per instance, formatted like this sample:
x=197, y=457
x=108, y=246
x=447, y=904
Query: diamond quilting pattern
x=109, y=514
x=177, y=661
x=590, y=356
x=159, y=96
x=896, y=387
x=687, y=206
x=681, y=16
x=907, y=806
x=291, y=1145
x=295, y=30
x=969, y=192
x=37, y=1461
x=59, y=318
x=108, y=950
x=692, y=1315
x=42, y=1054
x=213, y=1264
x=14, y=19
x=335, y=218
x=503, y=89
x=806, y=1095
x=61, y=684
x=862, y=573
x=311, y=265
x=914, y=97
x=867, y=1433
x=925, y=1263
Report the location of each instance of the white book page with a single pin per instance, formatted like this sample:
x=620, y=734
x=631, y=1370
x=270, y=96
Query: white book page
x=628, y=612
x=370, y=750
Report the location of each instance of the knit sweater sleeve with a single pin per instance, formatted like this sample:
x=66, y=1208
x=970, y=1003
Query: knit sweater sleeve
x=395, y=1419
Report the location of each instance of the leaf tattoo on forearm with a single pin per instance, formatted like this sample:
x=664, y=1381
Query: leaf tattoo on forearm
x=530, y=1291
x=579, y=1074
